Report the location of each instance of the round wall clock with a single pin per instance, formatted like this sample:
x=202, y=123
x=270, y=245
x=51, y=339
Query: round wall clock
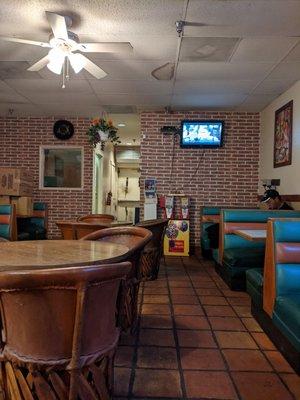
x=63, y=129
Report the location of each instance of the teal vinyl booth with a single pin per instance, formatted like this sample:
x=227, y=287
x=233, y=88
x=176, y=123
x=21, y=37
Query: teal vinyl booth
x=35, y=227
x=236, y=254
x=280, y=315
x=209, y=216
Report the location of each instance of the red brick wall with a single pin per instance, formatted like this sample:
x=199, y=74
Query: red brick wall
x=227, y=176
x=20, y=139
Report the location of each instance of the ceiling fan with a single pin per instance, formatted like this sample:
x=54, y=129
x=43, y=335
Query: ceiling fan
x=66, y=47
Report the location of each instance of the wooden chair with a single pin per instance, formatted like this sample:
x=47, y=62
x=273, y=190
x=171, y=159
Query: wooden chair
x=8, y=222
x=152, y=252
x=135, y=238
x=82, y=229
x=60, y=332
x=66, y=229
x=96, y=218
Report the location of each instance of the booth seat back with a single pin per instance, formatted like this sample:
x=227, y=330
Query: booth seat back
x=236, y=219
x=40, y=215
x=209, y=216
x=282, y=262
x=8, y=224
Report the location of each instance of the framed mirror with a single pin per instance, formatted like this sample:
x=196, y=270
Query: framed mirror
x=61, y=167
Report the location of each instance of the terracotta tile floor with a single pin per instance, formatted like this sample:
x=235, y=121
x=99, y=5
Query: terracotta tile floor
x=196, y=339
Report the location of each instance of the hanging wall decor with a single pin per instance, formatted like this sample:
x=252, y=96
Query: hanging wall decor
x=283, y=135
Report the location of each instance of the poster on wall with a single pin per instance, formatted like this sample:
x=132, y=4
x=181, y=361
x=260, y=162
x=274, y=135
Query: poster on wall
x=283, y=135
x=177, y=238
x=150, y=190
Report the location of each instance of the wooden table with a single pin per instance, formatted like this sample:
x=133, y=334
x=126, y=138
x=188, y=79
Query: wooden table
x=39, y=254
x=254, y=235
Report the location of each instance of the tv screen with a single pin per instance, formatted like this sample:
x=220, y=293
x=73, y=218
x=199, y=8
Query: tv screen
x=201, y=133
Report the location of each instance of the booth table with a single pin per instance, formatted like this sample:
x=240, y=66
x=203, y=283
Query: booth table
x=255, y=235
x=44, y=254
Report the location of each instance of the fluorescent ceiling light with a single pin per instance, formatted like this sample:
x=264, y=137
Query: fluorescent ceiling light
x=121, y=125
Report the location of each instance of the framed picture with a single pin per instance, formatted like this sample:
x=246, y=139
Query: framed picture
x=283, y=135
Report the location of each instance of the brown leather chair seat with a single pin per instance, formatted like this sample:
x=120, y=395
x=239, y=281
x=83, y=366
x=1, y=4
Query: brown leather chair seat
x=135, y=238
x=60, y=331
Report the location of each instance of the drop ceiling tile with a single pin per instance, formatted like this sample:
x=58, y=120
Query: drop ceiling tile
x=150, y=86
x=219, y=70
x=119, y=109
x=138, y=99
x=20, y=110
x=251, y=107
x=225, y=100
x=244, y=18
x=127, y=69
x=263, y=49
x=62, y=98
x=69, y=110
x=207, y=49
x=294, y=55
x=5, y=88
x=214, y=86
x=12, y=98
x=285, y=71
x=10, y=51
x=145, y=47
x=49, y=86
x=275, y=87
x=16, y=69
x=98, y=19
x=261, y=98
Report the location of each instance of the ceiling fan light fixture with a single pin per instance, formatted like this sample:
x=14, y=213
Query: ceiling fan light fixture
x=77, y=62
x=56, y=60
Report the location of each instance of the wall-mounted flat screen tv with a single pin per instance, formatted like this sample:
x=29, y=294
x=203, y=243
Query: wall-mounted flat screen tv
x=201, y=133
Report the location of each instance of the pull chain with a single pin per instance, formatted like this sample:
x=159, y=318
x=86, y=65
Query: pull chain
x=64, y=75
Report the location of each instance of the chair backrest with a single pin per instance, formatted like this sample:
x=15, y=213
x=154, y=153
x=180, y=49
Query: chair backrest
x=282, y=260
x=82, y=229
x=64, y=316
x=8, y=222
x=96, y=218
x=40, y=215
x=135, y=238
x=66, y=229
x=236, y=219
x=157, y=227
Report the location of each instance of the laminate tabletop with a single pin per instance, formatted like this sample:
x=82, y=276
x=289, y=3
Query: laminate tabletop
x=255, y=235
x=41, y=254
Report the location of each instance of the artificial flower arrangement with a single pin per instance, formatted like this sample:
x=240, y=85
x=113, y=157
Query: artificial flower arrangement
x=102, y=130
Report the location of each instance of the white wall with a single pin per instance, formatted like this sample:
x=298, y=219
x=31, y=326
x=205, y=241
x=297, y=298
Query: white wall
x=109, y=179
x=288, y=175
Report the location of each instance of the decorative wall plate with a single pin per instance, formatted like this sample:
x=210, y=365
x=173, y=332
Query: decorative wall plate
x=63, y=129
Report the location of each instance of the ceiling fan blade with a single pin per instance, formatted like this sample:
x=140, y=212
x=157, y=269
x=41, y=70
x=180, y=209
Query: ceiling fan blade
x=108, y=47
x=39, y=64
x=24, y=41
x=164, y=72
x=92, y=68
x=58, y=25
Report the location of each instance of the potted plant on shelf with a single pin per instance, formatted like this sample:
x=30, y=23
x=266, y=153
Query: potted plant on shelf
x=101, y=131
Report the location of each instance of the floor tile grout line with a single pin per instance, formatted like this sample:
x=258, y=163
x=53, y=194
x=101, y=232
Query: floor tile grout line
x=180, y=369
x=274, y=371
x=214, y=336
x=136, y=345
